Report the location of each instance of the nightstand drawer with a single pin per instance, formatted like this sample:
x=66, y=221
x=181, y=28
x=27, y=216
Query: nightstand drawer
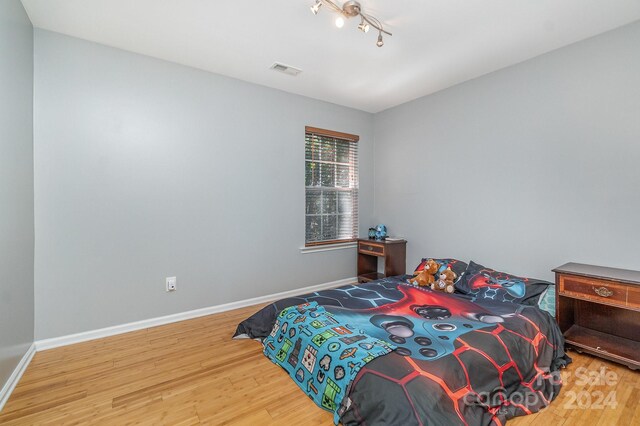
x=594, y=289
x=633, y=297
x=371, y=248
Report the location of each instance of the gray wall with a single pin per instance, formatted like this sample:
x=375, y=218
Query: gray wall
x=146, y=169
x=16, y=185
x=522, y=169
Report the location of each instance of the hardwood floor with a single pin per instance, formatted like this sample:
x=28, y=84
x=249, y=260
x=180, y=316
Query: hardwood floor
x=191, y=372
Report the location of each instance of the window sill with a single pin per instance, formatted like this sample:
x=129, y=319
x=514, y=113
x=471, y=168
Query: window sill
x=328, y=247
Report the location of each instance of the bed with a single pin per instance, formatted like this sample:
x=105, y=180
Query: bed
x=391, y=353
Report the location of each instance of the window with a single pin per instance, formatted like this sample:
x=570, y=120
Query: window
x=331, y=183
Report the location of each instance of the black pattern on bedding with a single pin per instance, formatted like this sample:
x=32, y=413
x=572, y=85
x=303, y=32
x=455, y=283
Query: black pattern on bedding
x=457, y=362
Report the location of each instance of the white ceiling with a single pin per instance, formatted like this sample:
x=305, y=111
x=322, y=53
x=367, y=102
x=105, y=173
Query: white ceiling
x=435, y=43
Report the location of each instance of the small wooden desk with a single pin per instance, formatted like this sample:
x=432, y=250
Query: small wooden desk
x=393, y=252
x=598, y=310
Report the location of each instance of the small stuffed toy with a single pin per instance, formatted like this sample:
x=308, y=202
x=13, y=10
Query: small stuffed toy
x=426, y=277
x=445, y=281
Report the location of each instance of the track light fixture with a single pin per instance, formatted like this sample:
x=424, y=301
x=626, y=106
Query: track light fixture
x=316, y=7
x=352, y=9
x=364, y=27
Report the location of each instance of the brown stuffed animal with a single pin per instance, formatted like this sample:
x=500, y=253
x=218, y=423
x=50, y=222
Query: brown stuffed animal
x=445, y=281
x=426, y=277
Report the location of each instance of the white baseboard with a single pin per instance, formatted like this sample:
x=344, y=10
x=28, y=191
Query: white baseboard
x=84, y=336
x=10, y=385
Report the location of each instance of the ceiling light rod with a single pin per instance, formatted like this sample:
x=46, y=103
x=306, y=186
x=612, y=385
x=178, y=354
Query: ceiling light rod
x=374, y=23
x=352, y=9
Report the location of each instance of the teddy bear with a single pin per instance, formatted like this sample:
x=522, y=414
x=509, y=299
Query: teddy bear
x=445, y=281
x=426, y=277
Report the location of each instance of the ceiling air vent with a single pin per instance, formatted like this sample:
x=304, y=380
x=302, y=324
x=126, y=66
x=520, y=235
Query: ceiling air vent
x=285, y=69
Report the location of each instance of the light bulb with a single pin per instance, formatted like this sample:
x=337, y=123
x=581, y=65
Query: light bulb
x=380, y=42
x=339, y=22
x=364, y=27
x=316, y=7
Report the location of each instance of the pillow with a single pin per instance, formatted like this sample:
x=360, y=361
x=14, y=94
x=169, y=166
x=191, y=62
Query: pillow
x=486, y=283
x=547, y=301
x=457, y=266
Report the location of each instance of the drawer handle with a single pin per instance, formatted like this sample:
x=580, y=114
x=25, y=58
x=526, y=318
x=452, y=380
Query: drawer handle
x=603, y=291
x=370, y=248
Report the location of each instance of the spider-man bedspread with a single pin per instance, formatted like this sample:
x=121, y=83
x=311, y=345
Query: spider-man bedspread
x=456, y=362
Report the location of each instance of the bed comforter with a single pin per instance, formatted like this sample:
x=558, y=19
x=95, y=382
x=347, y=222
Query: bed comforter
x=457, y=362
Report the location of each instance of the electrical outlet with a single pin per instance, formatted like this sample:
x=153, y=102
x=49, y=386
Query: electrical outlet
x=171, y=283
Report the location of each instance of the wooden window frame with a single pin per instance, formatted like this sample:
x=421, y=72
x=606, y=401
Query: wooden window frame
x=337, y=135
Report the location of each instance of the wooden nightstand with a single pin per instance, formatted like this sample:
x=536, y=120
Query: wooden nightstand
x=598, y=310
x=393, y=252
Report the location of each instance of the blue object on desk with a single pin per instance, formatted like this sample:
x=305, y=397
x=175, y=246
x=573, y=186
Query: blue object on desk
x=381, y=232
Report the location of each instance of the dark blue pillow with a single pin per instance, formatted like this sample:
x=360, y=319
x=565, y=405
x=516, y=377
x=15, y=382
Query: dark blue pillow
x=481, y=282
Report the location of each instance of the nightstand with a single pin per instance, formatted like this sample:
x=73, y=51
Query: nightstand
x=598, y=311
x=394, y=254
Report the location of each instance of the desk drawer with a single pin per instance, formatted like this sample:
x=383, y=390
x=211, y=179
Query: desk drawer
x=594, y=289
x=371, y=248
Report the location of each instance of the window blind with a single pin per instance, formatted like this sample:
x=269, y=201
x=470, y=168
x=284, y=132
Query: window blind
x=331, y=183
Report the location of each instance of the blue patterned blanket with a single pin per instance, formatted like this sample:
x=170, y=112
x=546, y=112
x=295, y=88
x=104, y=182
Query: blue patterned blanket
x=322, y=352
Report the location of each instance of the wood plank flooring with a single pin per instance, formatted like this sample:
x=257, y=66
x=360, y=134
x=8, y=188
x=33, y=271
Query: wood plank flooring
x=191, y=373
